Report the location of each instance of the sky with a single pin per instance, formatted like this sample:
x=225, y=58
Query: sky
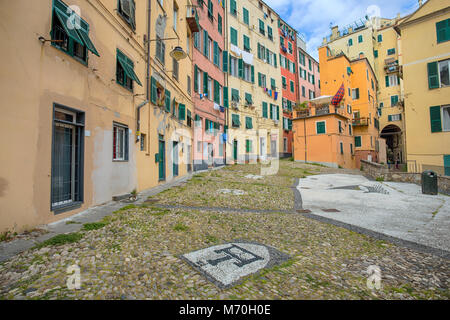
x=312, y=18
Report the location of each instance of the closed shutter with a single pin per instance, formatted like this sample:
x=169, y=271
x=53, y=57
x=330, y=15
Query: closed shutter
x=435, y=119
x=182, y=112
x=153, y=93
x=225, y=61
x=443, y=31
x=278, y=112
x=358, y=141
x=205, y=43
x=241, y=68
x=252, y=70
x=387, y=81
x=225, y=97
x=433, y=79
x=447, y=164
x=167, y=100
x=264, y=110
x=271, y=111
x=205, y=83
x=195, y=78
x=216, y=92
x=216, y=53
x=320, y=127
x=233, y=35
x=246, y=19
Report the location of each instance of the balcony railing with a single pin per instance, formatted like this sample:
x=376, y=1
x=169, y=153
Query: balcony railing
x=391, y=66
x=322, y=110
x=303, y=113
x=360, y=122
x=192, y=19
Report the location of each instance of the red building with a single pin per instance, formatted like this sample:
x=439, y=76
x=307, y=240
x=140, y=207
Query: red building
x=289, y=81
x=209, y=81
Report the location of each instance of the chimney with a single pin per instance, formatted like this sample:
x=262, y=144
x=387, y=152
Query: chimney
x=335, y=32
x=350, y=30
x=420, y=3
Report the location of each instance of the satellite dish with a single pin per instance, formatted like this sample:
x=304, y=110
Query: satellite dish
x=160, y=26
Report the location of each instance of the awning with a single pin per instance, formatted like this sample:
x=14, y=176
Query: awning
x=128, y=69
x=87, y=41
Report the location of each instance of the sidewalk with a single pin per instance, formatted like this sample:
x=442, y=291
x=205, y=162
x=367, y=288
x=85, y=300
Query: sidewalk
x=93, y=214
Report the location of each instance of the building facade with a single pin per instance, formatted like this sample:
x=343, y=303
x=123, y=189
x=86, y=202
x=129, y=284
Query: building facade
x=308, y=74
x=425, y=36
x=209, y=85
x=253, y=81
x=289, y=83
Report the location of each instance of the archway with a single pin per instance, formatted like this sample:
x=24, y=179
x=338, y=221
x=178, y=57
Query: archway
x=394, y=143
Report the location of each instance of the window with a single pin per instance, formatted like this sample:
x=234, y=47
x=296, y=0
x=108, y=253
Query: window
x=235, y=123
x=380, y=38
x=341, y=147
x=395, y=117
x=443, y=31
x=234, y=68
x=219, y=23
x=391, y=51
x=235, y=95
x=446, y=118
x=197, y=39
x=292, y=86
x=248, y=123
x=125, y=71
x=126, y=10
x=355, y=94
x=120, y=142
x=375, y=53
x=210, y=89
x=248, y=99
x=189, y=85
x=350, y=42
x=72, y=39
x=284, y=83
x=360, y=38
x=440, y=118
x=392, y=80
x=320, y=127
x=233, y=9
x=394, y=100
x=247, y=72
x=290, y=47
x=233, y=36
x=67, y=158
x=175, y=68
x=262, y=27
x=269, y=33
x=246, y=43
x=246, y=17
x=358, y=141
x=285, y=144
x=175, y=16
x=248, y=146
x=262, y=81
x=444, y=72
x=303, y=91
x=210, y=10
x=160, y=50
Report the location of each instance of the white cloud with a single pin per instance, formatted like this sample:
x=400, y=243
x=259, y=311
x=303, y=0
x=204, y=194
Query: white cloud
x=313, y=17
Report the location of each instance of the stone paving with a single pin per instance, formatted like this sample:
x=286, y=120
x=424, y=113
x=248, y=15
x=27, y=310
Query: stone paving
x=135, y=252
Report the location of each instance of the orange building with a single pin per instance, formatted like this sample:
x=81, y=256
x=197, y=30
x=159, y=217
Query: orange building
x=323, y=134
x=360, y=98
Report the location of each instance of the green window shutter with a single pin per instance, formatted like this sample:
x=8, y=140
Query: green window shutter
x=246, y=43
x=387, y=81
x=235, y=120
x=342, y=148
x=127, y=66
x=447, y=164
x=278, y=112
x=233, y=10
x=248, y=123
x=154, y=93
x=435, y=118
x=261, y=27
x=241, y=68
x=272, y=83
x=275, y=61
x=195, y=78
x=380, y=38
x=360, y=38
x=375, y=53
x=350, y=42
x=205, y=43
x=269, y=32
x=357, y=93
x=433, y=78
x=216, y=92
x=389, y=118
x=225, y=61
x=216, y=53
x=443, y=31
x=320, y=127
x=219, y=23
x=252, y=70
x=292, y=86
x=234, y=95
x=182, y=112
x=225, y=97
x=233, y=36
x=248, y=98
x=205, y=83
x=358, y=141
x=271, y=111
x=290, y=124
x=259, y=79
x=246, y=17
x=259, y=51
x=394, y=100
x=167, y=100
x=264, y=110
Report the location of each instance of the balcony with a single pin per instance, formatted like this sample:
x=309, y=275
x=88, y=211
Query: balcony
x=391, y=66
x=192, y=19
x=359, y=122
x=303, y=113
x=325, y=109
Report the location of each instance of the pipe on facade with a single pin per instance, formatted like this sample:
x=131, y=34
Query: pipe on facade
x=138, y=118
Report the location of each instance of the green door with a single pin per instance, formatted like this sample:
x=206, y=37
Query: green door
x=235, y=150
x=447, y=165
x=175, y=158
x=162, y=160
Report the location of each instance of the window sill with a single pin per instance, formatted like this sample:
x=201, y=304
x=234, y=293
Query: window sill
x=84, y=63
x=68, y=207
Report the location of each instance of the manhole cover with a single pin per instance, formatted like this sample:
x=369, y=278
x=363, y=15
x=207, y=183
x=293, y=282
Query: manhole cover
x=226, y=264
x=330, y=210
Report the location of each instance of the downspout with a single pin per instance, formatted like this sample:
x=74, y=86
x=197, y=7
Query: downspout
x=147, y=88
x=304, y=130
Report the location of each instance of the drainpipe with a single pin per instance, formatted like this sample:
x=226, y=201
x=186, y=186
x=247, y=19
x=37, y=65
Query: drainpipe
x=304, y=130
x=138, y=122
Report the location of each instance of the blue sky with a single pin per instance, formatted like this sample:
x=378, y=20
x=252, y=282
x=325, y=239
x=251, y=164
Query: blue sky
x=312, y=18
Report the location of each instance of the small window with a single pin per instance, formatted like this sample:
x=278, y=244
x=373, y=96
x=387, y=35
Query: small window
x=143, y=142
x=175, y=68
x=391, y=51
x=444, y=67
x=358, y=141
x=120, y=142
x=446, y=118
x=126, y=10
x=125, y=74
x=160, y=50
x=320, y=127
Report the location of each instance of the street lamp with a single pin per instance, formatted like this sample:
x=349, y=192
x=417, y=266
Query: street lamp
x=177, y=53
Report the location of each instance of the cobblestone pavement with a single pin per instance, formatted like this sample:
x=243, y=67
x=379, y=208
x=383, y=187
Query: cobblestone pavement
x=134, y=253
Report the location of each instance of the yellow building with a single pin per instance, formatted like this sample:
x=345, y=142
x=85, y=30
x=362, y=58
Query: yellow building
x=87, y=112
x=253, y=82
x=425, y=36
x=377, y=40
x=166, y=122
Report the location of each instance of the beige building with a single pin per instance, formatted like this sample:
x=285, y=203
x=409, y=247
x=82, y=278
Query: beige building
x=253, y=81
x=92, y=120
x=425, y=40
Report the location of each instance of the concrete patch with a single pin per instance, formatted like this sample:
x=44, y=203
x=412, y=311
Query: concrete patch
x=226, y=264
x=235, y=192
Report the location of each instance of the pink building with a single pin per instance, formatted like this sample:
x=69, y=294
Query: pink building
x=208, y=93
x=308, y=73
